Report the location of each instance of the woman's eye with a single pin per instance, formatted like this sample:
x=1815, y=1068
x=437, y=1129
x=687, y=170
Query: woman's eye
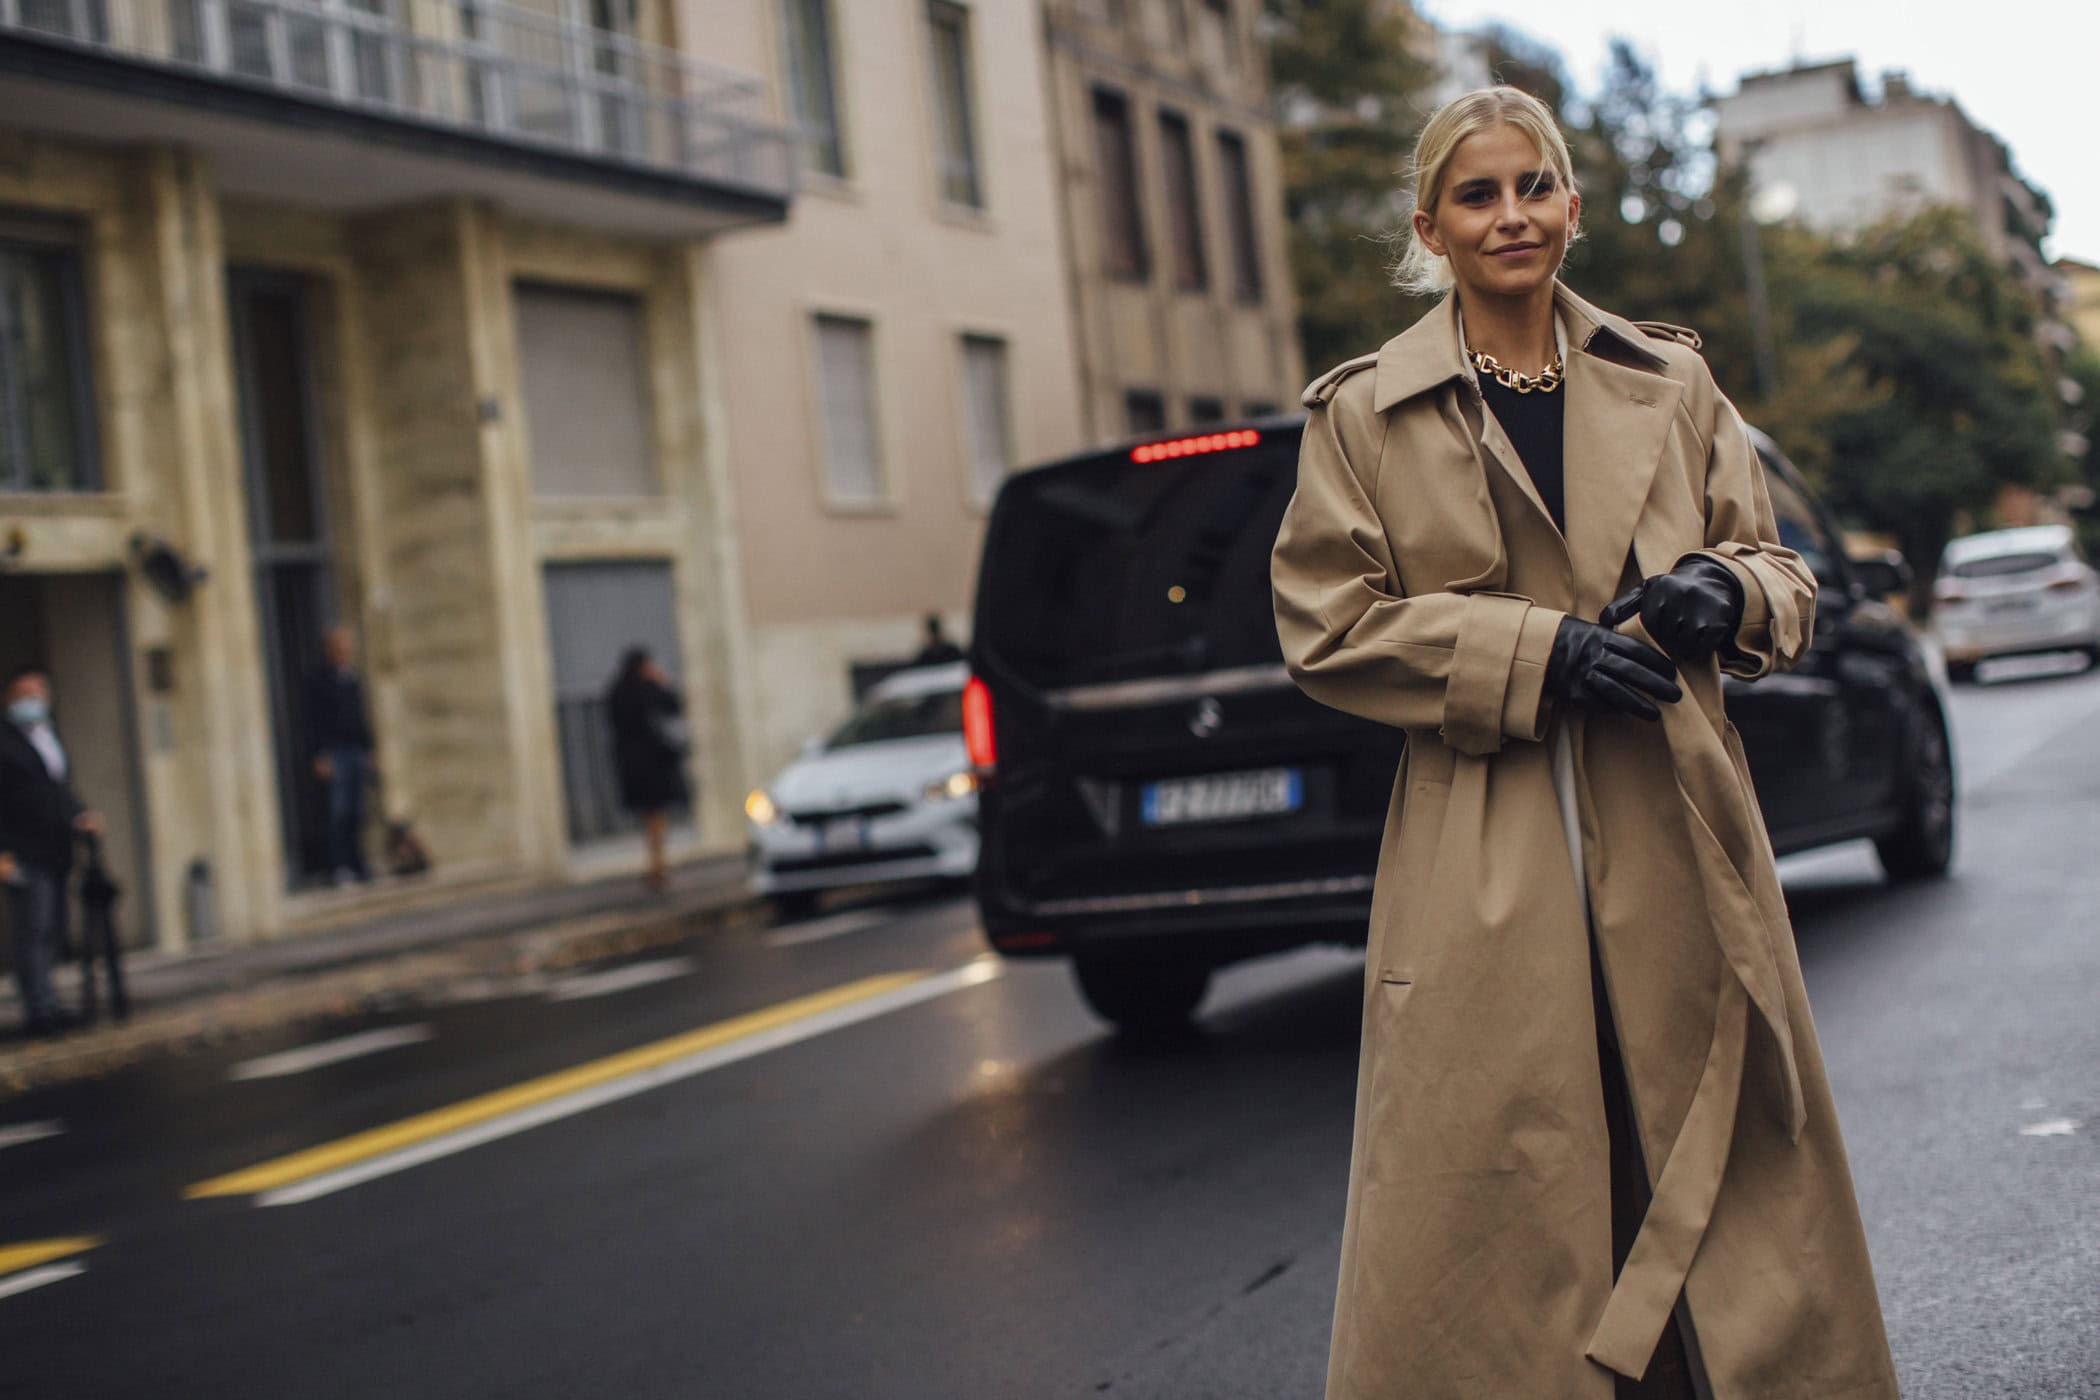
x=1539, y=189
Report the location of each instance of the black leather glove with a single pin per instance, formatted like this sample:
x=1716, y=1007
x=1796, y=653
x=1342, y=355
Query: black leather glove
x=1692, y=611
x=1596, y=667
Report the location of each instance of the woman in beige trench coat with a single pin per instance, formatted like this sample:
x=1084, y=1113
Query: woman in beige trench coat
x=1595, y=1151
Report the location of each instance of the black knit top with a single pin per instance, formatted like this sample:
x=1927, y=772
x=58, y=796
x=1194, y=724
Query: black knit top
x=1535, y=423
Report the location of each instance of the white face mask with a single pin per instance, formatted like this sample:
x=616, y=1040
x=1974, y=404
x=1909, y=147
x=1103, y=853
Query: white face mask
x=28, y=711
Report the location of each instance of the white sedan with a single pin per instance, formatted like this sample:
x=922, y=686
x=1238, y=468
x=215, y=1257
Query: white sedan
x=2013, y=593
x=890, y=795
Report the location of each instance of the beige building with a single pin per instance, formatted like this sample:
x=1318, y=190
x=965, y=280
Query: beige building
x=897, y=346
x=1172, y=199
x=386, y=313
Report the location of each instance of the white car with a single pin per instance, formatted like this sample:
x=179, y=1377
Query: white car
x=890, y=795
x=2013, y=593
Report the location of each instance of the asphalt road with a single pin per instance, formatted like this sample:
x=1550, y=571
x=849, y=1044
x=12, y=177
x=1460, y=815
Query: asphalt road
x=941, y=1179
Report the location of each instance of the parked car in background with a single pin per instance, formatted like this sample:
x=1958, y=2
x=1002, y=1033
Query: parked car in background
x=1158, y=799
x=889, y=795
x=2015, y=593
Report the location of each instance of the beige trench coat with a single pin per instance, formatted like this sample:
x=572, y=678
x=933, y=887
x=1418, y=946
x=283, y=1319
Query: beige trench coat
x=1419, y=581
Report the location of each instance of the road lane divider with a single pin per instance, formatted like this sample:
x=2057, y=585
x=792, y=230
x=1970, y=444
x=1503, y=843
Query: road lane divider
x=625, y=978
x=329, y=1052
x=31, y=1264
x=15, y=1134
x=336, y=1166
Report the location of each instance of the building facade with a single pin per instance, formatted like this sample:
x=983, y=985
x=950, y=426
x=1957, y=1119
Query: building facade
x=301, y=309
x=1171, y=194
x=1819, y=150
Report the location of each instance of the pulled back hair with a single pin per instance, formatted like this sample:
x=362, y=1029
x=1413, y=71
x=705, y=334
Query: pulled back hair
x=1429, y=274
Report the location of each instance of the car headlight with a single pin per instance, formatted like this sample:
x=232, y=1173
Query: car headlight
x=759, y=807
x=954, y=785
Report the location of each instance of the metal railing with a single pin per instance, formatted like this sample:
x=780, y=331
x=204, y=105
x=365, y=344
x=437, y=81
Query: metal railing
x=562, y=74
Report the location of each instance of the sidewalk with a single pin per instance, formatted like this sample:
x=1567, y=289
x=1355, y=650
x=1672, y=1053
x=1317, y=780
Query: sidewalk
x=220, y=992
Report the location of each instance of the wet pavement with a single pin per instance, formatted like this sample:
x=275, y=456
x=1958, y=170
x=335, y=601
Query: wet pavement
x=854, y=1158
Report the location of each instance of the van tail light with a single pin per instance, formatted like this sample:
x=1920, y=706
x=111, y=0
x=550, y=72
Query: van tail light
x=977, y=725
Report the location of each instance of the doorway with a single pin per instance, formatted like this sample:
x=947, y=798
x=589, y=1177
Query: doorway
x=72, y=627
x=289, y=538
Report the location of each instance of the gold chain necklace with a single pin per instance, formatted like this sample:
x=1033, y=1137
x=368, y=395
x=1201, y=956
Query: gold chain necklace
x=1544, y=382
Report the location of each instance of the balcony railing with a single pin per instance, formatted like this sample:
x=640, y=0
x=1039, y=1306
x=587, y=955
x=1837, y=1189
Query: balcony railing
x=560, y=74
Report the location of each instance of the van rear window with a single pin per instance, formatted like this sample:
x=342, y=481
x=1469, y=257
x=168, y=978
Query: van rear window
x=1107, y=569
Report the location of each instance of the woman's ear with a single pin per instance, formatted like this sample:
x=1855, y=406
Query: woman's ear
x=1574, y=216
x=1425, y=229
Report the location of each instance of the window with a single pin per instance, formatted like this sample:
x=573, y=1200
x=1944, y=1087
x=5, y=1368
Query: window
x=47, y=437
x=584, y=372
x=1116, y=181
x=1258, y=408
x=1145, y=411
x=956, y=139
x=1239, y=215
x=986, y=413
x=1802, y=532
x=812, y=84
x=1204, y=409
x=846, y=370
x=1178, y=154
x=1217, y=40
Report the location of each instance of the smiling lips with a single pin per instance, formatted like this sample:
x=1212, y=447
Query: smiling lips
x=1513, y=249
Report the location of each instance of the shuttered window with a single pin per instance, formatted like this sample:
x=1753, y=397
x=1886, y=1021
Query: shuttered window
x=1184, y=205
x=986, y=413
x=584, y=371
x=846, y=388
x=1239, y=215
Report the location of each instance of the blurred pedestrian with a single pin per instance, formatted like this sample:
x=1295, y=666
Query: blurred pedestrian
x=1594, y=1137
x=649, y=750
x=40, y=816
x=341, y=735
x=937, y=649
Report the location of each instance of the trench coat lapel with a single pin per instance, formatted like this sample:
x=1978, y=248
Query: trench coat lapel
x=1428, y=355
x=1618, y=423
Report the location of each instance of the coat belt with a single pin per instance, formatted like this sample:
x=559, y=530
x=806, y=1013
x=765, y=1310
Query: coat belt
x=1719, y=819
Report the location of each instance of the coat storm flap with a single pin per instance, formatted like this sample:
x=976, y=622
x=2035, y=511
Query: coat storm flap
x=1419, y=581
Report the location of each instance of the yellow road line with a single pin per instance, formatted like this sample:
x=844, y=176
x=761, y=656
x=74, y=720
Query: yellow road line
x=359, y=1147
x=27, y=1255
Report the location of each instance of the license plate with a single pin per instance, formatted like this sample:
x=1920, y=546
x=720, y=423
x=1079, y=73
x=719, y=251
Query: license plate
x=2006, y=605
x=1218, y=797
x=844, y=834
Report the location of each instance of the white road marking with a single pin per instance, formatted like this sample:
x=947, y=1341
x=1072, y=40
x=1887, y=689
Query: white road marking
x=2051, y=1127
x=15, y=1134
x=329, y=1052
x=817, y=930
x=619, y=979
x=37, y=1278
x=582, y=1101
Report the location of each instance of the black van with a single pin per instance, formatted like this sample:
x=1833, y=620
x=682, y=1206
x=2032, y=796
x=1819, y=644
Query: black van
x=1158, y=799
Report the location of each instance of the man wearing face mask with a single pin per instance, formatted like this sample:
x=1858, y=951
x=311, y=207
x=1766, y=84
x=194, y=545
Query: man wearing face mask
x=39, y=816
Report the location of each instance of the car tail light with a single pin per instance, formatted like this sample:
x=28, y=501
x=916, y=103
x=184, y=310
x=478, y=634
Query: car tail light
x=1195, y=446
x=977, y=725
x=1948, y=591
x=2067, y=583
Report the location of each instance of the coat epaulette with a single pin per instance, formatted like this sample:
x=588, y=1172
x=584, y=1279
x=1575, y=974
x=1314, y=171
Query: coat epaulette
x=1663, y=330
x=1323, y=388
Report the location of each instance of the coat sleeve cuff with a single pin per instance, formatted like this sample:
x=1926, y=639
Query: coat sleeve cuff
x=1754, y=635
x=1497, y=673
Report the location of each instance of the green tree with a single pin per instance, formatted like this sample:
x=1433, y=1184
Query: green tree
x=1345, y=83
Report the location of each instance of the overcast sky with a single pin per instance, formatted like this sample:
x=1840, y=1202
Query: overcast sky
x=1992, y=59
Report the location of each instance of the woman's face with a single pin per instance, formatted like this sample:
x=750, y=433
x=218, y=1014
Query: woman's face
x=1502, y=217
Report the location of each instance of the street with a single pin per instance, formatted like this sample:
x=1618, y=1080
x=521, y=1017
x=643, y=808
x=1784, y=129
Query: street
x=857, y=1157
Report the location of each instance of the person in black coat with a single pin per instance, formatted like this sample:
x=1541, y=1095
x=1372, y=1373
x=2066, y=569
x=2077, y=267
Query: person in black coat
x=649, y=748
x=341, y=736
x=40, y=816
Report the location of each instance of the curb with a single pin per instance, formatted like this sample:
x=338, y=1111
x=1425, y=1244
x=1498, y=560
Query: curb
x=383, y=983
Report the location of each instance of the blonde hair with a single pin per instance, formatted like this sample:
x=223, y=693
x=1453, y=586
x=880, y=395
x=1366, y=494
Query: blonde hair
x=1419, y=270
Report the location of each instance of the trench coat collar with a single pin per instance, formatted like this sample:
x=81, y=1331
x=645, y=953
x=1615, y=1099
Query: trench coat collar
x=1619, y=411
x=1428, y=353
